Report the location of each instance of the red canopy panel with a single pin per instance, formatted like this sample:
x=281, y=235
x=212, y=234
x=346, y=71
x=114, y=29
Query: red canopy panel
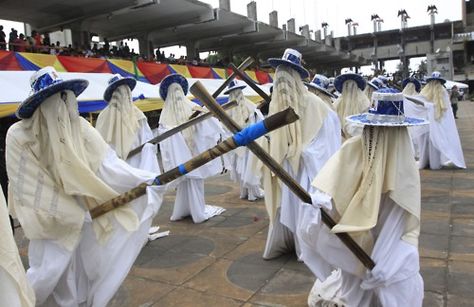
x=77, y=64
x=154, y=72
x=8, y=61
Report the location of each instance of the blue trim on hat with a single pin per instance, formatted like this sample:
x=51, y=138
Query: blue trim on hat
x=275, y=62
x=116, y=82
x=320, y=88
x=362, y=119
x=234, y=86
x=28, y=107
x=443, y=81
x=339, y=81
x=414, y=81
x=170, y=79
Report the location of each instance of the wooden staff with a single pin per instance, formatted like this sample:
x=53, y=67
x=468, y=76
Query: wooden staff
x=241, y=138
x=199, y=91
x=179, y=128
x=243, y=66
x=254, y=86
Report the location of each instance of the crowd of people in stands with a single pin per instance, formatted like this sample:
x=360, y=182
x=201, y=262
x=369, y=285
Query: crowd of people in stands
x=41, y=43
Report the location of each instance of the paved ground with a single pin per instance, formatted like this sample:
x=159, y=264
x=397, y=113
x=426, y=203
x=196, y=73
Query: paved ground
x=218, y=263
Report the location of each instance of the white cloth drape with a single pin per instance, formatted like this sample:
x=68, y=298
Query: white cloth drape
x=15, y=291
x=437, y=144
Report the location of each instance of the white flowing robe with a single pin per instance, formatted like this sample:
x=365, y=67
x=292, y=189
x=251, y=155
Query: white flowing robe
x=74, y=261
x=240, y=160
x=437, y=144
x=15, y=291
x=380, y=206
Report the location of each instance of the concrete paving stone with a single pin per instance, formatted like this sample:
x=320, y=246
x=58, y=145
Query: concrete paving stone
x=281, y=300
x=433, y=246
x=461, y=279
x=213, y=280
x=434, y=273
x=462, y=248
x=459, y=301
x=223, y=242
x=252, y=245
x=253, y=305
x=435, y=197
x=463, y=227
x=288, y=281
x=463, y=183
x=435, y=223
x=182, y=297
x=463, y=193
x=139, y=292
x=216, y=189
x=463, y=210
x=433, y=299
x=435, y=207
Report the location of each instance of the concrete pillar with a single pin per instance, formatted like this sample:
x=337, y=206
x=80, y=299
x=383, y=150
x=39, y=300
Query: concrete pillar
x=224, y=5
x=305, y=31
x=283, y=27
x=191, y=51
x=291, y=25
x=27, y=29
x=145, y=46
x=317, y=35
x=337, y=44
x=274, y=19
x=252, y=10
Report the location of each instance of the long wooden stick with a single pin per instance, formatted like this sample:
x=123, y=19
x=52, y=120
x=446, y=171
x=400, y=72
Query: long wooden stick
x=199, y=91
x=241, y=138
x=243, y=66
x=254, y=86
x=180, y=128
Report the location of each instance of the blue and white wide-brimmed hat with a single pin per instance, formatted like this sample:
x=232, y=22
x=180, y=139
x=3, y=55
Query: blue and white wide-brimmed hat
x=45, y=83
x=291, y=58
x=234, y=85
x=339, y=81
x=412, y=80
x=115, y=82
x=436, y=76
x=170, y=79
x=388, y=111
x=375, y=83
x=320, y=83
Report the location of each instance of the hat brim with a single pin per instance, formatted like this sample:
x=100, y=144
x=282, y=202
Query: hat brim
x=275, y=62
x=321, y=89
x=234, y=88
x=170, y=79
x=362, y=119
x=375, y=87
x=339, y=81
x=130, y=82
x=28, y=107
x=414, y=81
x=443, y=81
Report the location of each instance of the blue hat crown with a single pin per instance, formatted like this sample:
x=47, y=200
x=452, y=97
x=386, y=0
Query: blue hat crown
x=388, y=105
x=435, y=74
x=321, y=81
x=44, y=78
x=292, y=55
x=115, y=78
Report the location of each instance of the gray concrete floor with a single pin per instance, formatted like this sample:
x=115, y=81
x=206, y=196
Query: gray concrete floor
x=218, y=263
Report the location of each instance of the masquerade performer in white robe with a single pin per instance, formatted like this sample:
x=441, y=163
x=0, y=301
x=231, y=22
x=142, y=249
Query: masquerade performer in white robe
x=378, y=205
x=437, y=145
x=183, y=146
x=319, y=86
x=240, y=160
x=15, y=290
x=300, y=148
x=59, y=168
x=411, y=86
x=352, y=101
x=124, y=127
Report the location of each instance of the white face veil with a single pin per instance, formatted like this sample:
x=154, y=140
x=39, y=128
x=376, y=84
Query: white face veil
x=72, y=151
x=410, y=89
x=352, y=101
x=241, y=113
x=436, y=93
x=177, y=110
x=120, y=121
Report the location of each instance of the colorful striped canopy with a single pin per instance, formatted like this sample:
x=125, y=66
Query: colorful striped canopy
x=149, y=72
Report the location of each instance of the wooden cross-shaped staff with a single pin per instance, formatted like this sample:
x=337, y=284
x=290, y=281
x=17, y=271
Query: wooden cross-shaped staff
x=200, y=91
x=242, y=138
